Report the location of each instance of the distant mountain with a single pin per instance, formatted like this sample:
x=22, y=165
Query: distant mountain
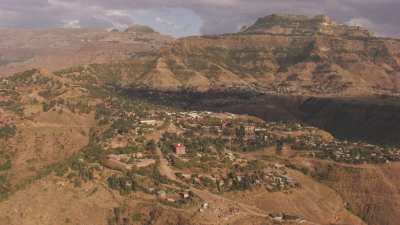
x=140, y=29
x=280, y=54
x=56, y=49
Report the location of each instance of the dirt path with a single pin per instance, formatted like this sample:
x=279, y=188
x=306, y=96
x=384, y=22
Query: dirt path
x=165, y=170
x=214, y=199
x=219, y=200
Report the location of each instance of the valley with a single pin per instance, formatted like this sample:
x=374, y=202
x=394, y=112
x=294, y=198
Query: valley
x=292, y=120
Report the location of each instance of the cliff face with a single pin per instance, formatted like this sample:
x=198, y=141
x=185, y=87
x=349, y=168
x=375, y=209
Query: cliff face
x=282, y=54
x=358, y=120
x=303, y=25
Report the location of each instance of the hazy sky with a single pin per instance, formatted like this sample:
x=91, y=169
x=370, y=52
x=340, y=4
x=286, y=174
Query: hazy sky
x=188, y=17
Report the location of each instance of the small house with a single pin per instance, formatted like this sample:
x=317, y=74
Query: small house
x=250, y=130
x=161, y=195
x=184, y=195
x=179, y=149
x=150, y=122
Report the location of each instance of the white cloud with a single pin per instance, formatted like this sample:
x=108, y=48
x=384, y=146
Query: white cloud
x=168, y=23
x=114, y=12
x=362, y=22
x=218, y=16
x=72, y=24
x=379, y=29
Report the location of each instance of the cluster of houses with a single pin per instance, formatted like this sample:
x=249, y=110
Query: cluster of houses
x=311, y=145
x=219, y=125
x=274, y=178
x=277, y=179
x=284, y=218
x=344, y=151
x=177, y=197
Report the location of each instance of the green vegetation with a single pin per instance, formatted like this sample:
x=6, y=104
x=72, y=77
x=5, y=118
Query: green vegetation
x=13, y=106
x=5, y=187
x=123, y=184
x=287, y=57
x=243, y=62
x=77, y=69
x=5, y=161
x=47, y=106
x=137, y=180
x=127, y=150
x=8, y=131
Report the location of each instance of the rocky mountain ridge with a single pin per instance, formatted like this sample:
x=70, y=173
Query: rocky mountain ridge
x=280, y=54
x=303, y=25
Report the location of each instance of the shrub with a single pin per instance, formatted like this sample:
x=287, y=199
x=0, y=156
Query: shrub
x=7, y=131
x=4, y=187
x=6, y=165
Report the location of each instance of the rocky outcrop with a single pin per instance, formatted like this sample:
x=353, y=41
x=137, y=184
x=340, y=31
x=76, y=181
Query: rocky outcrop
x=303, y=25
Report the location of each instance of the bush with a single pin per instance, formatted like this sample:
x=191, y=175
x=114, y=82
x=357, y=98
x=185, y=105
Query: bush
x=47, y=106
x=4, y=187
x=123, y=184
x=127, y=150
x=8, y=131
x=151, y=145
x=6, y=165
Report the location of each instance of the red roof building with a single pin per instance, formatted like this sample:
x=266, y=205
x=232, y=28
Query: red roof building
x=179, y=149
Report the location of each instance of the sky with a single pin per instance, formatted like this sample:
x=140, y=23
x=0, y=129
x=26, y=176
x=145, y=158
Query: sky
x=193, y=17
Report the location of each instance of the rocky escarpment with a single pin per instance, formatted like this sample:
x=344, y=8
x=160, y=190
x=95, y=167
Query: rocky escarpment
x=370, y=119
x=303, y=25
x=280, y=54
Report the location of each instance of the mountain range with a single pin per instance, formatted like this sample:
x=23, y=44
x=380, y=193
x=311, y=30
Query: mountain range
x=283, y=54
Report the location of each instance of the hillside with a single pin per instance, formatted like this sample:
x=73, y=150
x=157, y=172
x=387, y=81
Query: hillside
x=74, y=137
x=70, y=137
x=55, y=49
x=205, y=130
x=281, y=54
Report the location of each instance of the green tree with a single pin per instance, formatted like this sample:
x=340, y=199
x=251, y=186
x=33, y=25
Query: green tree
x=240, y=132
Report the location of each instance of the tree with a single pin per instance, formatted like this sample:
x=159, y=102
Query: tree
x=279, y=147
x=240, y=133
x=151, y=145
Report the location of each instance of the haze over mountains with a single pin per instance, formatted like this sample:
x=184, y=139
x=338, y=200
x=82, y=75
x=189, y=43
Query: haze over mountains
x=53, y=49
x=279, y=53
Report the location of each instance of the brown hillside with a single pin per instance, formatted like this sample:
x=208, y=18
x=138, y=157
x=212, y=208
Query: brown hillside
x=57, y=49
x=371, y=191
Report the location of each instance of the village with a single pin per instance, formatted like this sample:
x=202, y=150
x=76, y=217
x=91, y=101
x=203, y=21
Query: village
x=203, y=141
x=345, y=151
x=187, y=159
x=173, y=155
